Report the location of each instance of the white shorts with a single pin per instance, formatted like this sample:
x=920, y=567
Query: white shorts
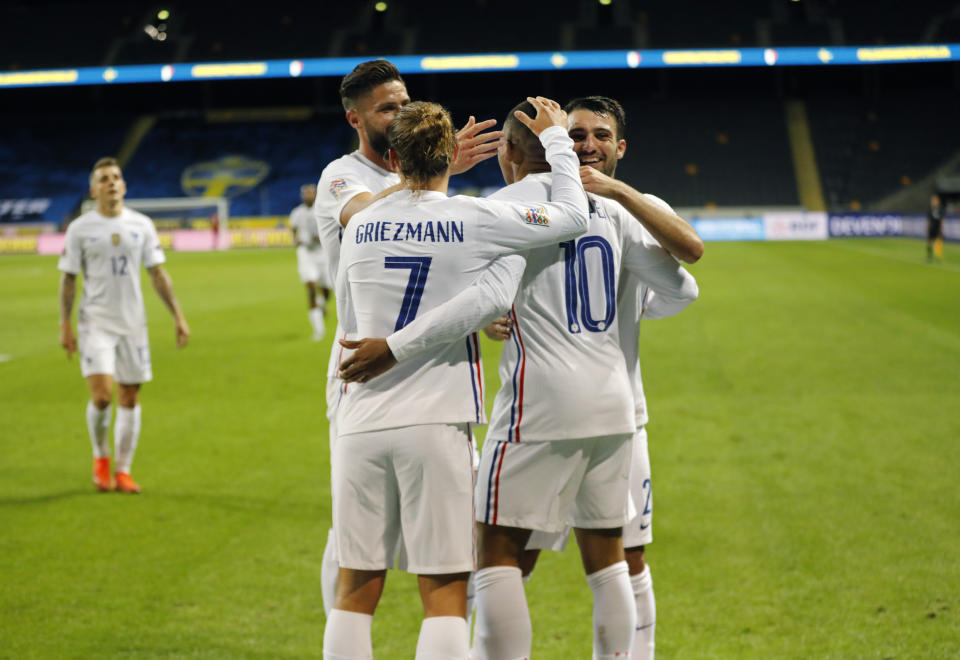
x=639, y=530
x=405, y=492
x=125, y=357
x=312, y=266
x=548, y=485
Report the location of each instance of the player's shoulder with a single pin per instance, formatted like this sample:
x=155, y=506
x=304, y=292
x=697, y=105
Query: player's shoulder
x=134, y=216
x=532, y=188
x=659, y=202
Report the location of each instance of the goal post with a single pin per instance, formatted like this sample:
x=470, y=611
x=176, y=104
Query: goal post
x=177, y=212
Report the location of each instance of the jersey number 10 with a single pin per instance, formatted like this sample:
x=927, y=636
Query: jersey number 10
x=576, y=286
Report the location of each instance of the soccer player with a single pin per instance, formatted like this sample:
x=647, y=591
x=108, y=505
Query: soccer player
x=372, y=95
x=108, y=245
x=402, y=460
x=552, y=454
x=597, y=125
x=935, y=228
x=311, y=263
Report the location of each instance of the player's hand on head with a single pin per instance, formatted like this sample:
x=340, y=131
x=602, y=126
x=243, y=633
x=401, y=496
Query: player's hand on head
x=183, y=332
x=549, y=113
x=68, y=340
x=475, y=144
x=371, y=357
x=500, y=329
x=597, y=182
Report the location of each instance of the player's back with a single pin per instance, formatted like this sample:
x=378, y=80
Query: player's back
x=402, y=256
x=563, y=372
x=412, y=251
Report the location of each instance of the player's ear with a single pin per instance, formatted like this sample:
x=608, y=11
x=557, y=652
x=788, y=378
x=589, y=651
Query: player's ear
x=353, y=118
x=514, y=154
x=621, y=148
x=393, y=160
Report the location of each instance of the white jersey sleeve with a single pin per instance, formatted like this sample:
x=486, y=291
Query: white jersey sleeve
x=514, y=227
x=71, y=260
x=152, y=252
x=644, y=257
x=477, y=306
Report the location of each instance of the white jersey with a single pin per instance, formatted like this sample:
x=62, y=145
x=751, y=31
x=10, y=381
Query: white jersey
x=631, y=297
x=109, y=253
x=414, y=251
x=301, y=219
x=341, y=181
x=563, y=371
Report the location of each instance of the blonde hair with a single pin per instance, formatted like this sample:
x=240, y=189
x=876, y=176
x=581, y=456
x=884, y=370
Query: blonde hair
x=423, y=138
x=106, y=161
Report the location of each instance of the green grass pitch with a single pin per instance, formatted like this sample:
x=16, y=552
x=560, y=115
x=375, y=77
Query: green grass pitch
x=805, y=419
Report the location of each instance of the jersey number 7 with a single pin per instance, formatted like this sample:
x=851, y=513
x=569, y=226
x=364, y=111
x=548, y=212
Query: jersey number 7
x=419, y=267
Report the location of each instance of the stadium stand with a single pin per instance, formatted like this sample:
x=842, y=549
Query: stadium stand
x=694, y=153
x=867, y=150
x=293, y=153
x=50, y=159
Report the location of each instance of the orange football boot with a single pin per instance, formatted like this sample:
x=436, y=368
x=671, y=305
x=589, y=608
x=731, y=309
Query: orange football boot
x=101, y=474
x=126, y=484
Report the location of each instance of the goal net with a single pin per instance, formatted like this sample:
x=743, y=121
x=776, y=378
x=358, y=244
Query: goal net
x=178, y=212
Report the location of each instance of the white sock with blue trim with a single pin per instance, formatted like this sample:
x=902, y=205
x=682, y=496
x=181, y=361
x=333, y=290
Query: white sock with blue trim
x=502, y=628
x=642, y=583
x=443, y=638
x=614, y=611
x=347, y=636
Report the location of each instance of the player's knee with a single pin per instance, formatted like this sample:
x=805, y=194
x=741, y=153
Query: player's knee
x=128, y=396
x=501, y=546
x=101, y=400
x=635, y=560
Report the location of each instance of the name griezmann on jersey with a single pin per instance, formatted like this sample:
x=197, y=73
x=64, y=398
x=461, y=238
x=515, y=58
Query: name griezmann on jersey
x=429, y=231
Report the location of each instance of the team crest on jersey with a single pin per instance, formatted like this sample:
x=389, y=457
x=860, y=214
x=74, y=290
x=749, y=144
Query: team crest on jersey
x=537, y=215
x=115, y=239
x=337, y=186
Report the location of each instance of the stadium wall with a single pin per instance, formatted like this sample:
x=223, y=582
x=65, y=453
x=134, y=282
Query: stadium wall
x=770, y=226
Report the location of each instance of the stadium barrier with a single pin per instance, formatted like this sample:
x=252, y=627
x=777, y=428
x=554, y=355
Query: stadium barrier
x=770, y=226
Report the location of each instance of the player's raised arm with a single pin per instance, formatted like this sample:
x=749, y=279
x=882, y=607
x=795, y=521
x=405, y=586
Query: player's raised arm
x=474, y=145
x=674, y=233
x=648, y=260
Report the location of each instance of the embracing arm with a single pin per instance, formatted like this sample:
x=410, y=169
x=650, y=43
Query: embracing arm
x=362, y=200
x=163, y=285
x=68, y=292
x=489, y=296
x=674, y=233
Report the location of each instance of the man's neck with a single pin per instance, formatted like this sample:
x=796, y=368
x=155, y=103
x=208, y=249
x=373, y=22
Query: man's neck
x=537, y=167
x=371, y=155
x=436, y=184
x=110, y=210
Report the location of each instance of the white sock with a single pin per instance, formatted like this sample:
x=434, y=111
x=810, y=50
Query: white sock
x=614, y=611
x=316, y=321
x=347, y=636
x=329, y=573
x=126, y=431
x=502, y=630
x=642, y=648
x=443, y=638
x=98, y=424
